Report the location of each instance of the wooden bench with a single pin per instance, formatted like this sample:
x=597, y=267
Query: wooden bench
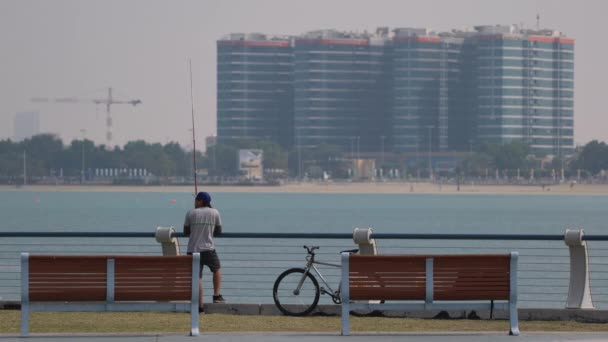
x=468, y=279
x=109, y=283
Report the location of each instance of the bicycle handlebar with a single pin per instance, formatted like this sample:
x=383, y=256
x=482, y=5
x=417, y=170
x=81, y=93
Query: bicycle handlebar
x=350, y=251
x=311, y=250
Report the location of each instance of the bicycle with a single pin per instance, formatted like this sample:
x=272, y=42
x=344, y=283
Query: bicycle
x=296, y=291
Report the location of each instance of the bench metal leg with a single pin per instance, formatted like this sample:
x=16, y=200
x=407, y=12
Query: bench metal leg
x=513, y=320
x=25, y=319
x=345, y=319
x=345, y=295
x=196, y=257
x=25, y=294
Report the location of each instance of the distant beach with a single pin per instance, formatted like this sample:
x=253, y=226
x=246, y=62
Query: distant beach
x=329, y=187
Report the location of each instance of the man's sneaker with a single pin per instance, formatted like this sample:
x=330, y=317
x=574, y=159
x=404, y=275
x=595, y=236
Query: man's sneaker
x=218, y=299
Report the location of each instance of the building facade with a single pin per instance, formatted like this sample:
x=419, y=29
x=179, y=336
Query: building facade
x=525, y=88
x=254, y=88
x=425, y=78
x=340, y=90
x=405, y=91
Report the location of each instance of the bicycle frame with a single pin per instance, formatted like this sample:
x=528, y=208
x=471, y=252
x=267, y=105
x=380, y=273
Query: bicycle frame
x=310, y=264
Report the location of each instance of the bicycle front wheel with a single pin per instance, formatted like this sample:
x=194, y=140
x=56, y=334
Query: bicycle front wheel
x=291, y=300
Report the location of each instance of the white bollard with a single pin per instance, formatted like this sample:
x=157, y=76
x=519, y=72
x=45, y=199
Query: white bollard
x=579, y=293
x=169, y=244
x=367, y=245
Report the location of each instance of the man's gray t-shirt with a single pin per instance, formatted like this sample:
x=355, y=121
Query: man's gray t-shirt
x=202, y=222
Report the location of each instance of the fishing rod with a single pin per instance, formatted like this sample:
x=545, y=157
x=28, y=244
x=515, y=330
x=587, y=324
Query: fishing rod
x=193, y=135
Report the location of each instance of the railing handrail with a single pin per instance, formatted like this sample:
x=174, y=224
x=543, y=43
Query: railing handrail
x=535, y=237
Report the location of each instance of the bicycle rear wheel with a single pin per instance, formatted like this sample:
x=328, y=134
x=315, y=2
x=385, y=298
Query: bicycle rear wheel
x=292, y=302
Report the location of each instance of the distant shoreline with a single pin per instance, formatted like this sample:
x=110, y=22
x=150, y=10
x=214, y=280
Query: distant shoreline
x=366, y=188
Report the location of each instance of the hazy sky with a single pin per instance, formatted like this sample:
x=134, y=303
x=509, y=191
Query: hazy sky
x=141, y=48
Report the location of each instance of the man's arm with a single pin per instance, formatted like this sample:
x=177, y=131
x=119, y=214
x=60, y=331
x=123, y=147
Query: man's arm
x=217, y=231
x=187, y=224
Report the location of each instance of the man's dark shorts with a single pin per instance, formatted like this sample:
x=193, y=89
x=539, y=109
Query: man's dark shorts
x=210, y=259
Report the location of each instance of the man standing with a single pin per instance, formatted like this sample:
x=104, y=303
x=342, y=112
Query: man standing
x=201, y=225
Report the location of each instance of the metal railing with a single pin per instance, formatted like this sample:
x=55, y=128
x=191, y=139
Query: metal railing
x=252, y=261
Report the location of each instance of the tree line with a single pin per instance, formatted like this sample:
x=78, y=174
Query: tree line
x=46, y=155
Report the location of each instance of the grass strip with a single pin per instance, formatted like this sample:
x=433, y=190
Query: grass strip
x=160, y=322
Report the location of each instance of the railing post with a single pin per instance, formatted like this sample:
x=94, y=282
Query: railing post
x=579, y=292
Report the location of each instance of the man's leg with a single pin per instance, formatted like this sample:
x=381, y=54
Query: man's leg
x=214, y=265
x=200, y=293
x=217, y=282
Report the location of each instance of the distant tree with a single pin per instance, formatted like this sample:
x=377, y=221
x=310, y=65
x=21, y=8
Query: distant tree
x=178, y=157
x=593, y=157
x=509, y=156
x=477, y=164
x=43, y=152
x=224, y=158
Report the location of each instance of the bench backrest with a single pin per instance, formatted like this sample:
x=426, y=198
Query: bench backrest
x=87, y=278
x=454, y=277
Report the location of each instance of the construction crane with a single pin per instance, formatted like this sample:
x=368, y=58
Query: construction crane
x=108, y=102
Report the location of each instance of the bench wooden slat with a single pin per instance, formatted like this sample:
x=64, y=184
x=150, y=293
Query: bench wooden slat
x=155, y=275
x=66, y=295
x=484, y=273
x=51, y=276
x=138, y=295
x=75, y=266
x=387, y=294
x=471, y=282
x=477, y=295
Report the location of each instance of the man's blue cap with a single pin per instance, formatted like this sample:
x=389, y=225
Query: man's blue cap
x=204, y=197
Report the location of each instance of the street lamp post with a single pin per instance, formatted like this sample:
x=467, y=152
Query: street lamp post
x=83, y=131
x=417, y=161
x=299, y=158
x=24, y=170
x=430, y=128
x=358, y=150
x=382, y=153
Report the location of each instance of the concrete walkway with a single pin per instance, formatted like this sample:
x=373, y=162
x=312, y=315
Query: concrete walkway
x=323, y=337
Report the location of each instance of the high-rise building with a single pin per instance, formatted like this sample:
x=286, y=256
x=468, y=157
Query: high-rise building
x=340, y=89
x=254, y=88
x=411, y=90
x=425, y=77
x=525, y=88
x=26, y=125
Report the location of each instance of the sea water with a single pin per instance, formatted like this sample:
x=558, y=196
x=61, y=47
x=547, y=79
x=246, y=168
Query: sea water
x=250, y=267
